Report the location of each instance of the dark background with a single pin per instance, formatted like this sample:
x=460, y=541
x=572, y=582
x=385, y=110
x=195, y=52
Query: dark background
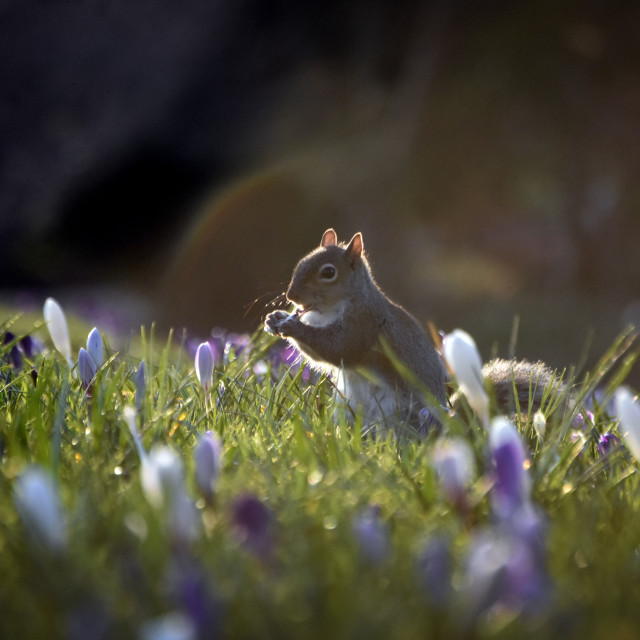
x=171, y=160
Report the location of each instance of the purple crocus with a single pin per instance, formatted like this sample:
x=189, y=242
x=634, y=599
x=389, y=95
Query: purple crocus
x=207, y=456
x=512, y=483
x=15, y=357
x=86, y=367
x=191, y=591
x=204, y=366
x=252, y=522
x=29, y=346
x=371, y=535
x=94, y=346
x=435, y=570
x=236, y=344
x=292, y=358
x=140, y=382
x=584, y=419
x=453, y=461
x=503, y=573
x=607, y=443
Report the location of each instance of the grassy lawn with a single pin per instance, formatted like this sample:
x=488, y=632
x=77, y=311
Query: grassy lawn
x=121, y=516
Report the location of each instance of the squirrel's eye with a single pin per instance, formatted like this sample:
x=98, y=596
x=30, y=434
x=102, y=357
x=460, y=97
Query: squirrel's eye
x=328, y=272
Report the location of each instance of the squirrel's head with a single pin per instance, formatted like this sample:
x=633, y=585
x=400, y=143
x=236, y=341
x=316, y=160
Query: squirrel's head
x=328, y=275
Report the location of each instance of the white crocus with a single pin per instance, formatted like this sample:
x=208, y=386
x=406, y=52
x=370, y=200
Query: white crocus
x=461, y=354
x=453, y=461
x=58, y=330
x=131, y=416
x=160, y=475
x=37, y=501
x=204, y=365
x=540, y=424
x=94, y=346
x=628, y=412
x=162, y=479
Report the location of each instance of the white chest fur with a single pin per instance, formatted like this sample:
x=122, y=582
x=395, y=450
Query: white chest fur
x=376, y=401
x=323, y=318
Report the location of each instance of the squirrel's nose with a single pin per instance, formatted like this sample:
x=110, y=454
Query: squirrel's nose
x=293, y=295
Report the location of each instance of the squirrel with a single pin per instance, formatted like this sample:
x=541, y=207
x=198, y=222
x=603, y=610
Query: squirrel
x=381, y=360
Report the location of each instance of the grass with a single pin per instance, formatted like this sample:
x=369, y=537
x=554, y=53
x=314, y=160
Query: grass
x=341, y=535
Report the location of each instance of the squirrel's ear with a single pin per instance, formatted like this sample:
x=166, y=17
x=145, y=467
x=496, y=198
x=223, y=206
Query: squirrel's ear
x=354, y=249
x=329, y=238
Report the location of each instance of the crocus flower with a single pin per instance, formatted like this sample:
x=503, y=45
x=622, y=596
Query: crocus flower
x=58, y=330
x=207, y=455
x=15, y=357
x=29, y=346
x=86, y=367
x=435, y=569
x=188, y=586
x=252, y=524
x=503, y=572
x=628, y=412
x=607, y=442
x=540, y=424
x=161, y=476
x=291, y=357
x=483, y=584
x=131, y=416
x=170, y=626
x=140, y=382
x=512, y=484
x=583, y=419
x=37, y=501
x=461, y=354
x=371, y=535
x=204, y=365
x=94, y=346
x=453, y=461
x=236, y=344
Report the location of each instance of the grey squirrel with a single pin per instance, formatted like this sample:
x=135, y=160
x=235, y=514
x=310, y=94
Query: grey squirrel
x=381, y=360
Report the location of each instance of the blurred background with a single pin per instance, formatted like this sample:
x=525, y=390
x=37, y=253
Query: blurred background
x=170, y=161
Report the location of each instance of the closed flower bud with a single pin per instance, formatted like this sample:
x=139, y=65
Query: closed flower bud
x=512, y=484
x=207, y=457
x=161, y=475
x=140, y=381
x=461, y=354
x=86, y=367
x=204, y=365
x=37, y=502
x=15, y=357
x=628, y=412
x=252, y=522
x=58, y=329
x=454, y=464
x=372, y=535
x=540, y=424
x=131, y=417
x=94, y=346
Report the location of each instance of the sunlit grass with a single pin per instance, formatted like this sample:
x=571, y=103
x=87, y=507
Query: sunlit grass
x=312, y=530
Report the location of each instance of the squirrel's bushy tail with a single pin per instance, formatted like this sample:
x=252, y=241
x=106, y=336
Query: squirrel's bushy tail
x=517, y=386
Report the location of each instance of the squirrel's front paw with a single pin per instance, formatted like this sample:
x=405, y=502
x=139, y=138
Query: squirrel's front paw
x=277, y=321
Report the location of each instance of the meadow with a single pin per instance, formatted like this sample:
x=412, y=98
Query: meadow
x=174, y=490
